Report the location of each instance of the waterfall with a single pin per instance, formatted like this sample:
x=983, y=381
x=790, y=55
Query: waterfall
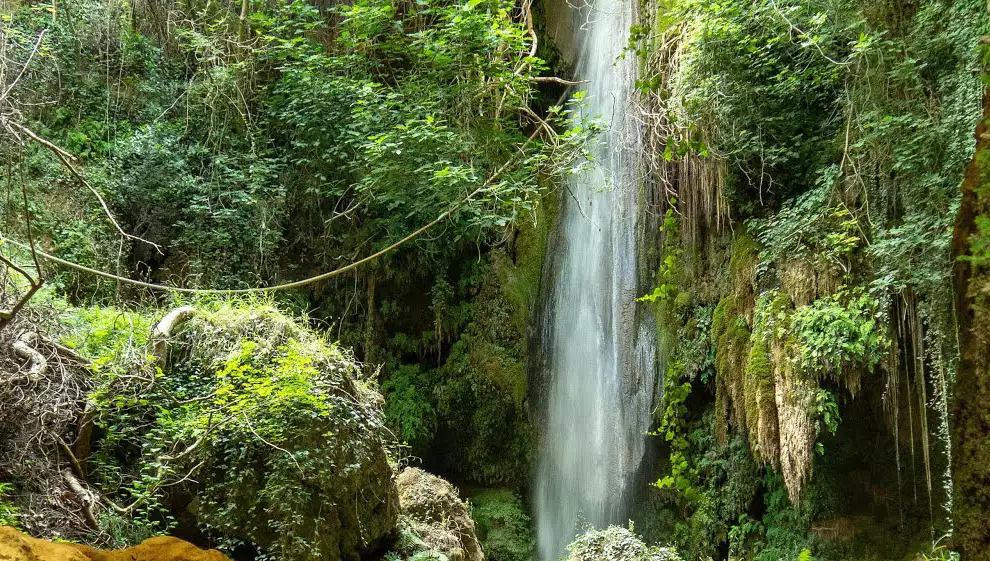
x=597, y=348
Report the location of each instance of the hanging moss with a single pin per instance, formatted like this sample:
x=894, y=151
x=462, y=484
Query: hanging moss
x=742, y=266
x=761, y=406
x=731, y=336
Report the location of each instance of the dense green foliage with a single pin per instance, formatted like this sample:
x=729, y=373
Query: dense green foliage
x=8, y=510
x=255, y=419
x=301, y=140
x=292, y=138
x=503, y=526
x=832, y=137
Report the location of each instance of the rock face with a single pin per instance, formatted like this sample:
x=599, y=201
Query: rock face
x=971, y=416
x=438, y=515
x=15, y=546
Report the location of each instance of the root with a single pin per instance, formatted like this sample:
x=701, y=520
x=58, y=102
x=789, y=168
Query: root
x=86, y=497
x=24, y=348
x=163, y=331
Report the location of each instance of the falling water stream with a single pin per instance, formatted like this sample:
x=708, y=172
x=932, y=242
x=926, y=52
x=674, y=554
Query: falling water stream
x=598, y=351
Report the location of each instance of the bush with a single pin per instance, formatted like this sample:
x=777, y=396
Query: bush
x=504, y=528
x=9, y=512
x=617, y=544
x=409, y=408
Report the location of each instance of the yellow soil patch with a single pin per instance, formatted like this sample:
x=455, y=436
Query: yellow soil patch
x=15, y=546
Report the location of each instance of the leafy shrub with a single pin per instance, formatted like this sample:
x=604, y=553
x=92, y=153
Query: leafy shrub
x=9, y=512
x=617, y=544
x=837, y=332
x=504, y=528
x=409, y=407
x=260, y=421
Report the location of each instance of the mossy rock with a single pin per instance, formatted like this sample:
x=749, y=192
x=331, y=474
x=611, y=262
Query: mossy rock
x=300, y=471
x=438, y=516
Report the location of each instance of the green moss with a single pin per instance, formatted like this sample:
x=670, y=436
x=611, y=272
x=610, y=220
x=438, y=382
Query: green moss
x=758, y=367
x=486, y=430
x=742, y=264
x=520, y=276
x=731, y=336
x=761, y=407
x=501, y=368
x=270, y=416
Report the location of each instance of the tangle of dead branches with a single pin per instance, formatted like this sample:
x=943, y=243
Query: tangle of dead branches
x=679, y=160
x=43, y=389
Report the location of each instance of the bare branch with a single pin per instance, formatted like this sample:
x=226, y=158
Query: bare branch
x=27, y=63
x=86, y=497
x=556, y=80
x=527, y=6
x=66, y=158
x=34, y=285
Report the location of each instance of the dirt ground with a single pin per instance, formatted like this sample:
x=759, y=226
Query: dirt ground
x=15, y=546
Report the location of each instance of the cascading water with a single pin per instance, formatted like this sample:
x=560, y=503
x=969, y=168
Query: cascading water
x=598, y=352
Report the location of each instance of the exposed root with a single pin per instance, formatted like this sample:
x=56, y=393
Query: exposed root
x=35, y=416
x=86, y=498
x=24, y=347
x=164, y=329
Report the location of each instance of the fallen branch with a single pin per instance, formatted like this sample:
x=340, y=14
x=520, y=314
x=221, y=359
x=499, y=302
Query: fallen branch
x=81, y=446
x=559, y=81
x=69, y=353
x=34, y=51
x=6, y=316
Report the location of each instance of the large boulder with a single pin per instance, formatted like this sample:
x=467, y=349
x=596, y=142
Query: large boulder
x=438, y=516
x=15, y=546
x=300, y=468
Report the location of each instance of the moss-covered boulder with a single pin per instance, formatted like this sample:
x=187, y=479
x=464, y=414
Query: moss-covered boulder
x=288, y=446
